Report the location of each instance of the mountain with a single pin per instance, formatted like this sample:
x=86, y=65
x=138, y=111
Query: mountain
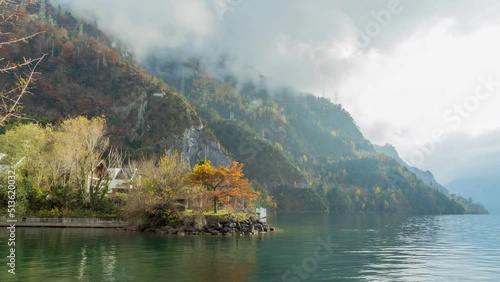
x=86, y=73
x=306, y=151
x=426, y=176
x=469, y=205
x=315, y=135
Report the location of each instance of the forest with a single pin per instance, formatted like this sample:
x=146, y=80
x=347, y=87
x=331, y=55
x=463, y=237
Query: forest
x=303, y=153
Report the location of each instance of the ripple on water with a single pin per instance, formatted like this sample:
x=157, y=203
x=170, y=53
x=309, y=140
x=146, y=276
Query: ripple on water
x=364, y=248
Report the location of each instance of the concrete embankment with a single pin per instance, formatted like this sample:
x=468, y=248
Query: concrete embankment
x=75, y=222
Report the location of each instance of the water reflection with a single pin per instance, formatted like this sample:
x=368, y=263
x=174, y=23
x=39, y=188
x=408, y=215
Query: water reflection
x=432, y=248
x=364, y=247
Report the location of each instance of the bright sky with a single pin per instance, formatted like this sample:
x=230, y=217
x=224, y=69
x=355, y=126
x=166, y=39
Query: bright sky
x=413, y=76
x=403, y=97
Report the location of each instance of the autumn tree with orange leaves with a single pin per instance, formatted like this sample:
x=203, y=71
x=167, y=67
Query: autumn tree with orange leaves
x=223, y=183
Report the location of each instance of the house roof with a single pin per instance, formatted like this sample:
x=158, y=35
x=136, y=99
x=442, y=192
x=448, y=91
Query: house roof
x=121, y=173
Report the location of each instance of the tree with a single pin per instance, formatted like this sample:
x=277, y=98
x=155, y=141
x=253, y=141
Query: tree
x=80, y=147
x=12, y=13
x=222, y=182
x=42, y=14
x=56, y=162
x=165, y=178
x=159, y=184
x=26, y=148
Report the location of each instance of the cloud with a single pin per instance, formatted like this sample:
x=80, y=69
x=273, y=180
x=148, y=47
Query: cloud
x=463, y=156
x=308, y=45
x=150, y=25
x=416, y=64
x=428, y=83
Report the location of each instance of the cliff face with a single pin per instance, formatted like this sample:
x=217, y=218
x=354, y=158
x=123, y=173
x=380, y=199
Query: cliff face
x=196, y=145
x=263, y=162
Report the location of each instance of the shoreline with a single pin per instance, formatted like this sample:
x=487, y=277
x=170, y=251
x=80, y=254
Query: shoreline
x=216, y=226
x=213, y=226
x=66, y=222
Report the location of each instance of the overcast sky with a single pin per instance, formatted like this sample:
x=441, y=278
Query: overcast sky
x=408, y=71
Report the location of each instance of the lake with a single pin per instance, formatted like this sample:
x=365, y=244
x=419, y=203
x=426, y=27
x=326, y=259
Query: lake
x=308, y=247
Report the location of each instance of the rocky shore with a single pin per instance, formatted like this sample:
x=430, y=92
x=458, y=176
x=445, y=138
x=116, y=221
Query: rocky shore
x=217, y=226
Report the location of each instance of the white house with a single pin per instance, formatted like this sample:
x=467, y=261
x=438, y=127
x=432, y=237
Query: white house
x=119, y=178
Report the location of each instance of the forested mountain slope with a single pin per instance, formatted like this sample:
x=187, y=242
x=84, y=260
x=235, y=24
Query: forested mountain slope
x=317, y=136
x=86, y=73
x=306, y=150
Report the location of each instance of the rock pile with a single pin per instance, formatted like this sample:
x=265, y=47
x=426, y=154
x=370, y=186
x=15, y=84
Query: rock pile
x=225, y=226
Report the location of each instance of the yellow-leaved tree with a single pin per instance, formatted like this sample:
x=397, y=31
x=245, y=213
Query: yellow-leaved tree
x=165, y=178
x=159, y=184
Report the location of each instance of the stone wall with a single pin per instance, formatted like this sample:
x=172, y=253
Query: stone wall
x=78, y=222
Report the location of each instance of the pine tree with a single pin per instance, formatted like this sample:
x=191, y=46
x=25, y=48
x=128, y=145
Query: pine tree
x=42, y=13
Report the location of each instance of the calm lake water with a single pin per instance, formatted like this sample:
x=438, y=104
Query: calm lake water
x=309, y=247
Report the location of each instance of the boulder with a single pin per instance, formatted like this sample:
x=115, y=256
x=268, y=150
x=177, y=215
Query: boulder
x=259, y=227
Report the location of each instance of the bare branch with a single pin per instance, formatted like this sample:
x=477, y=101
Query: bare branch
x=23, y=39
x=12, y=66
x=24, y=71
x=11, y=108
